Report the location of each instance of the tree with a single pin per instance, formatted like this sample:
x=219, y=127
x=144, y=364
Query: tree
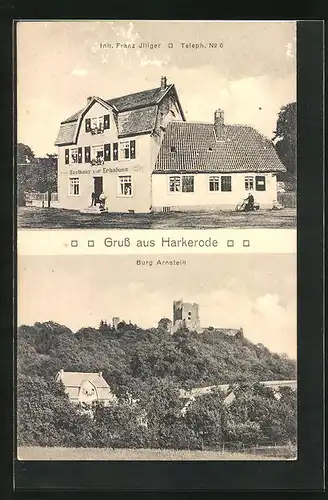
x=34, y=174
x=285, y=139
x=24, y=154
x=165, y=324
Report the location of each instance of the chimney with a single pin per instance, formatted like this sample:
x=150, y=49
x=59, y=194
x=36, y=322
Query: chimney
x=218, y=123
x=100, y=374
x=89, y=99
x=163, y=83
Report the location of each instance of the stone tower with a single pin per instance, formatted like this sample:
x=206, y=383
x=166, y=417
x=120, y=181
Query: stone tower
x=186, y=314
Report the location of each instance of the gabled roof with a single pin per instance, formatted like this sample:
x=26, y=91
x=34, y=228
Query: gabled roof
x=240, y=148
x=134, y=113
x=74, y=379
x=131, y=101
x=72, y=382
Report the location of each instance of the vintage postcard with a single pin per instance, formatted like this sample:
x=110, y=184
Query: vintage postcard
x=156, y=193
x=156, y=124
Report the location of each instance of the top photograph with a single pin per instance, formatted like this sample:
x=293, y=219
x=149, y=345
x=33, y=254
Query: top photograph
x=156, y=124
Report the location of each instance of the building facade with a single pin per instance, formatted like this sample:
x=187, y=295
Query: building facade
x=204, y=167
x=111, y=147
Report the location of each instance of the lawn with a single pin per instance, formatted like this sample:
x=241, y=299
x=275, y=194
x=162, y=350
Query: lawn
x=38, y=453
x=56, y=218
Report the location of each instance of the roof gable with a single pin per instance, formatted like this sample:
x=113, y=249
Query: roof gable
x=134, y=113
x=75, y=379
x=240, y=149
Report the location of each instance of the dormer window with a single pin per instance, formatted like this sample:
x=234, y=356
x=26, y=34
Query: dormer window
x=97, y=124
x=173, y=149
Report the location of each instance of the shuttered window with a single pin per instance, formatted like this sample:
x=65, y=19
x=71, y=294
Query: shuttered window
x=66, y=156
x=225, y=182
x=87, y=124
x=107, y=152
x=260, y=183
x=106, y=122
x=115, y=151
x=187, y=183
x=87, y=155
x=132, y=149
x=79, y=155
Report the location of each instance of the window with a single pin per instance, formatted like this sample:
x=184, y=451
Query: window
x=260, y=183
x=173, y=149
x=188, y=183
x=249, y=183
x=74, y=186
x=97, y=155
x=127, y=150
x=97, y=125
x=175, y=183
x=178, y=183
x=74, y=155
x=214, y=183
x=124, y=150
x=125, y=185
x=225, y=182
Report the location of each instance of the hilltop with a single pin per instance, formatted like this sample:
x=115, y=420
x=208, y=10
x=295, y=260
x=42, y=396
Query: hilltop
x=129, y=353
x=153, y=366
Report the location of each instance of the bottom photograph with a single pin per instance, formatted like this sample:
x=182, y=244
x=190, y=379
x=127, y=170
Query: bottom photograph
x=150, y=358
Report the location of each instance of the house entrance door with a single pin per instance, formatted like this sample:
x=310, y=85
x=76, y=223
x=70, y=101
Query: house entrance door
x=98, y=187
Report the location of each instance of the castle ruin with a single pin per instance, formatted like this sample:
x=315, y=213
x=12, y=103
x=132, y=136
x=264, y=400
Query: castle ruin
x=186, y=314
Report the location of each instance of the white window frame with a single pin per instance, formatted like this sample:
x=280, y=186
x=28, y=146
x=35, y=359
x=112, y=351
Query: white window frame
x=215, y=179
x=97, y=122
x=180, y=177
x=71, y=186
x=121, y=149
x=73, y=151
x=122, y=180
x=249, y=183
x=94, y=149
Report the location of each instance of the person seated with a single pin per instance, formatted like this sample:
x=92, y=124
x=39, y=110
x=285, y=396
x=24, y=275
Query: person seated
x=102, y=199
x=249, y=203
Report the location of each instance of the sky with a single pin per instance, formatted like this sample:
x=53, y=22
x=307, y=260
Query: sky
x=61, y=63
x=255, y=291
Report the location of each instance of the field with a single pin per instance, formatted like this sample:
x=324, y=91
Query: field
x=38, y=453
x=56, y=218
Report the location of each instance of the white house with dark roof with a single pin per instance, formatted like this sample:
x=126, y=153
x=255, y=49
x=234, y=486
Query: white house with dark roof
x=86, y=387
x=112, y=146
x=213, y=166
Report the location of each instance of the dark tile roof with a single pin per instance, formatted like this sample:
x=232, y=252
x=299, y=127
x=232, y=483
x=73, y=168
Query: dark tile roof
x=66, y=133
x=134, y=122
x=240, y=149
x=137, y=121
x=130, y=101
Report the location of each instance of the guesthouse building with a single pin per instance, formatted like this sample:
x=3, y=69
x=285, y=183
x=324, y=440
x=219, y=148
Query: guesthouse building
x=111, y=146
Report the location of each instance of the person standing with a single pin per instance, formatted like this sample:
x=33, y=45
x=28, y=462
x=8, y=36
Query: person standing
x=93, y=199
